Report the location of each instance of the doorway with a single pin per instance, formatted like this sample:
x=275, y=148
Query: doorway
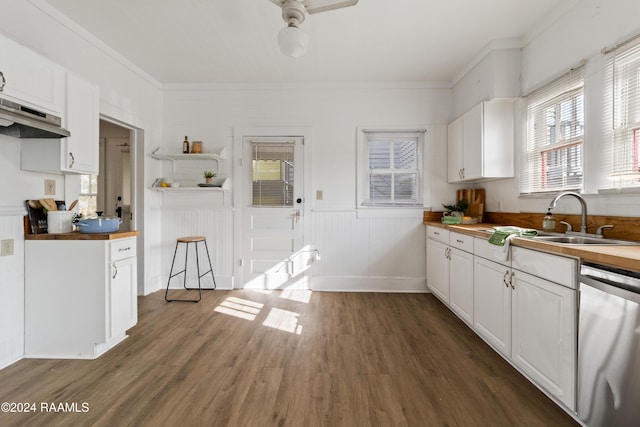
x=272, y=226
x=114, y=180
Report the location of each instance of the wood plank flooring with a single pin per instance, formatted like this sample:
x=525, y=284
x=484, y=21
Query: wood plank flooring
x=285, y=358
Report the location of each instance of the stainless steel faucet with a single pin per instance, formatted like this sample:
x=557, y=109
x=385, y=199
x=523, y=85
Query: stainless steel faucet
x=583, y=203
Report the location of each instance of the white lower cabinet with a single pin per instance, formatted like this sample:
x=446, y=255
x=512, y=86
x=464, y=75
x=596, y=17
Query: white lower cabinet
x=544, y=332
x=461, y=284
x=450, y=270
x=80, y=296
x=492, y=303
x=531, y=320
x=438, y=269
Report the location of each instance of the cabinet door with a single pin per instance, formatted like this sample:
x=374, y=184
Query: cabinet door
x=83, y=116
x=454, y=151
x=492, y=303
x=123, y=307
x=438, y=269
x=461, y=284
x=544, y=334
x=472, y=131
x=31, y=78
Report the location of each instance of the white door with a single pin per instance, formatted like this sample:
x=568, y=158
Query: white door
x=544, y=334
x=273, y=215
x=461, y=284
x=492, y=303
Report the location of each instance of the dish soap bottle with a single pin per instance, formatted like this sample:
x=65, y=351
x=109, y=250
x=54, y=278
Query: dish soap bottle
x=548, y=222
x=185, y=146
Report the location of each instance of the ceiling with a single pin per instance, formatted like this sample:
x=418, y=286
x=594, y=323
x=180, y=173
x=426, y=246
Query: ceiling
x=235, y=41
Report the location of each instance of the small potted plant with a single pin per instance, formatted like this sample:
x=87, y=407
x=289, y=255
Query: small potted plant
x=459, y=209
x=208, y=176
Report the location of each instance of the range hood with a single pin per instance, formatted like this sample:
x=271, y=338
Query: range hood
x=21, y=121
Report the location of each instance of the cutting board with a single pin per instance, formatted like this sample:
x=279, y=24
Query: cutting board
x=37, y=219
x=475, y=197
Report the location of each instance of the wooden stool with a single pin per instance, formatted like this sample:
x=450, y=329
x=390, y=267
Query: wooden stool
x=186, y=240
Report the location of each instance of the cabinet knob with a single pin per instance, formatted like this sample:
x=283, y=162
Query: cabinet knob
x=2, y=81
x=73, y=160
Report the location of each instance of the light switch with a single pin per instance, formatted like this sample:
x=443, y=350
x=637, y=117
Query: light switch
x=319, y=194
x=49, y=187
x=6, y=247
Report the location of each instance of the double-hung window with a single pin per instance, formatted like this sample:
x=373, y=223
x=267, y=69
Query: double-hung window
x=623, y=154
x=552, y=151
x=393, y=168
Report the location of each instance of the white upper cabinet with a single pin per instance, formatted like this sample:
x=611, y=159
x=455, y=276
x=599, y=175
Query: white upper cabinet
x=30, y=78
x=83, y=121
x=77, y=154
x=481, y=143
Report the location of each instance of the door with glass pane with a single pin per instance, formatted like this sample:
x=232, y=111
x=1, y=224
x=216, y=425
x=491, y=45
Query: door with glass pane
x=273, y=213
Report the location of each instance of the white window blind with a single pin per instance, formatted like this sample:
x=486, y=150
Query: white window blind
x=623, y=151
x=552, y=151
x=394, y=161
x=272, y=168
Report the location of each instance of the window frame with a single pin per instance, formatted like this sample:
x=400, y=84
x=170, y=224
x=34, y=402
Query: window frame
x=623, y=103
x=365, y=172
x=538, y=143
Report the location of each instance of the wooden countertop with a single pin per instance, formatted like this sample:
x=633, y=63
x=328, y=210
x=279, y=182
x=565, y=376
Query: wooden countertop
x=625, y=257
x=76, y=235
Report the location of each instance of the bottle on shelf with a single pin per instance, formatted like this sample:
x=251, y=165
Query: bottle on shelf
x=185, y=145
x=548, y=222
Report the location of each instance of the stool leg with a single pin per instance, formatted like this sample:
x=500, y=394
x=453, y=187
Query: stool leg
x=207, y=272
x=199, y=288
x=170, y=273
x=186, y=258
x=210, y=267
x=184, y=282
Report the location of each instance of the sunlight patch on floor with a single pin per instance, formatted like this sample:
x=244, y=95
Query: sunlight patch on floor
x=241, y=308
x=299, y=295
x=283, y=320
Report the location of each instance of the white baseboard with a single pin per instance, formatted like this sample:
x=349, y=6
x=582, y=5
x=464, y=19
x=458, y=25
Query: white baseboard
x=368, y=284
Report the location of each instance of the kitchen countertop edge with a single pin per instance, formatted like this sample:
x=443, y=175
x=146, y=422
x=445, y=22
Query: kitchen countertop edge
x=624, y=257
x=76, y=235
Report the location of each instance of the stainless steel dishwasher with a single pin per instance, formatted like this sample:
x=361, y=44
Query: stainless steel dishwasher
x=609, y=347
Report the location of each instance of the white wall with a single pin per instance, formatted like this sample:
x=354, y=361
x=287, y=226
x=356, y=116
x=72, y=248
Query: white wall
x=576, y=36
x=126, y=95
x=333, y=112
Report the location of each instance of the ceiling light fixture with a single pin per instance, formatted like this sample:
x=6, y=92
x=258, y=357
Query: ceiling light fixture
x=292, y=40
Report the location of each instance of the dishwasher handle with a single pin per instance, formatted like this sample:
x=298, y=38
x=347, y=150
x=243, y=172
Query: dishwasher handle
x=609, y=287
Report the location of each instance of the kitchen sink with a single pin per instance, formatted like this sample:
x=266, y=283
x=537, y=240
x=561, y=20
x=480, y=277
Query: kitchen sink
x=583, y=240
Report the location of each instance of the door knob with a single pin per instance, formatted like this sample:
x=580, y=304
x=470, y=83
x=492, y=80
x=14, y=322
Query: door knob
x=298, y=200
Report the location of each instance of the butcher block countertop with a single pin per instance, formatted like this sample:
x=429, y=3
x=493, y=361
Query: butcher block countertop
x=76, y=235
x=624, y=257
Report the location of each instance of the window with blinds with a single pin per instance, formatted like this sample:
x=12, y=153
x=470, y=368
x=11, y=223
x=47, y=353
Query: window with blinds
x=623, y=153
x=272, y=171
x=394, y=168
x=552, y=150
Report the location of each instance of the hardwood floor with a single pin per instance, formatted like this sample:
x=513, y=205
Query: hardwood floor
x=247, y=358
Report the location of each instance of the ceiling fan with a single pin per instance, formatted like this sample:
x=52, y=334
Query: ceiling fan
x=293, y=41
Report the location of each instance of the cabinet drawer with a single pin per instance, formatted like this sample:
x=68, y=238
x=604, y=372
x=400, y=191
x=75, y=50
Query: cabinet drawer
x=484, y=249
x=439, y=234
x=461, y=241
x=122, y=248
x=559, y=269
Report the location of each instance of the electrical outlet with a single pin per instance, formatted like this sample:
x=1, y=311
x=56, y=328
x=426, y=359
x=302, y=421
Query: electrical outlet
x=319, y=194
x=49, y=187
x=6, y=247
